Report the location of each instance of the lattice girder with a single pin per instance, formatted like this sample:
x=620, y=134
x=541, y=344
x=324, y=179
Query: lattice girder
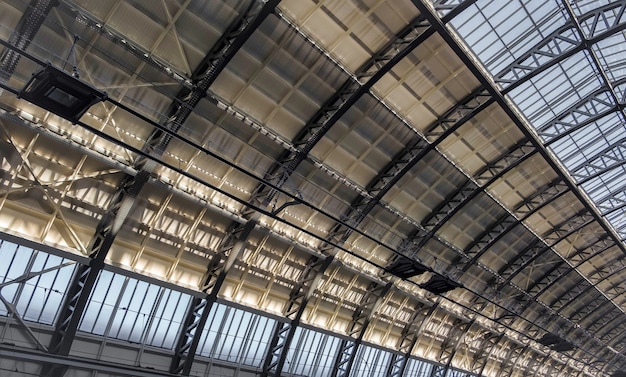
x=510, y=361
x=358, y=325
x=436, y=132
x=293, y=309
x=449, y=347
x=562, y=43
x=408, y=338
x=488, y=345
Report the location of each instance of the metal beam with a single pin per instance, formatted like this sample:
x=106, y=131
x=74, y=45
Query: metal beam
x=214, y=62
x=469, y=190
x=481, y=75
x=488, y=345
x=408, y=338
x=595, y=278
x=595, y=106
x=338, y=104
x=537, y=248
x=369, y=73
x=361, y=319
x=416, y=149
x=85, y=277
x=195, y=320
x=35, y=356
x=449, y=347
x=26, y=29
x=293, y=309
x=514, y=353
x=562, y=44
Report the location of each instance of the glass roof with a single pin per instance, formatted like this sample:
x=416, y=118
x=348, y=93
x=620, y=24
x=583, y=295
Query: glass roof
x=565, y=75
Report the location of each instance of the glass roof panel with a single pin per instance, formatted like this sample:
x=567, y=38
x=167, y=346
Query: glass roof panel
x=588, y=143
x=612, y=56
x=499, y=32
x=557, y=89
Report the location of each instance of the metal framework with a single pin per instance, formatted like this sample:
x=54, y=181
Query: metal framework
x=213, y=63
x=408, y=338
x=465, y=91
x=360, y=321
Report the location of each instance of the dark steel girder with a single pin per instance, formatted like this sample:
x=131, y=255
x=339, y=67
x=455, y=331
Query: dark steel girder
x=416, y=150
x=586, y=111
x=81, y=286
x=214, y=62
x=586, y=27
x=338, y=104
x=25, y=30
x=408, y=338
x=562, y=44
x=598, y=276
x=436, y=132
x=449, y=347
x=604, y=317
x=378, y=65
x=506, y=223
x=454, y=44
x=294, y=308
x=238, y=32
x=361, y=319
x=514, y=353
x=558, y=271
x=533, y=364
x=541, y=197
x=611, y=334
x=198, y=312
x=469, y=190
x=538, y=247
x=594, y=249
x=526, y=354
x=438, y=371
x=488, y=345
x=615, y=199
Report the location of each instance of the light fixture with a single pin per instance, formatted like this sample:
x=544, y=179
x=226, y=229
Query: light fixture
x=439, y=284
x=61, y=93
x=405, y=268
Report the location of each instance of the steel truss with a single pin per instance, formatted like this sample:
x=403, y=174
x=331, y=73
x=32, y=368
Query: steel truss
x=408, y=338
x=511, y=359
x=26, y=29
x=358, y=325
x=595, y=106
x=469, y=190
x=562, y=44
x=294, y=308
x=449, y=347
x=213, y=63
x=488, y=345
x=462, y=54
x=86, y=275
x=334, y=108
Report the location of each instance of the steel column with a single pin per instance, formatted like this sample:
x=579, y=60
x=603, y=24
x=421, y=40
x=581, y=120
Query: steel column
x=408, y=339
x=357, y=327
x=26, y=29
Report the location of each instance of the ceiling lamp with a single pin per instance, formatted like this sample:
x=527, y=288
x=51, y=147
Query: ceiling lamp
x=439, y=284
x=61, y=93
x=405, y=268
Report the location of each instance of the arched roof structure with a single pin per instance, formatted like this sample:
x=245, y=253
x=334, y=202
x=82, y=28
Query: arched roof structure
x=312, y=188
